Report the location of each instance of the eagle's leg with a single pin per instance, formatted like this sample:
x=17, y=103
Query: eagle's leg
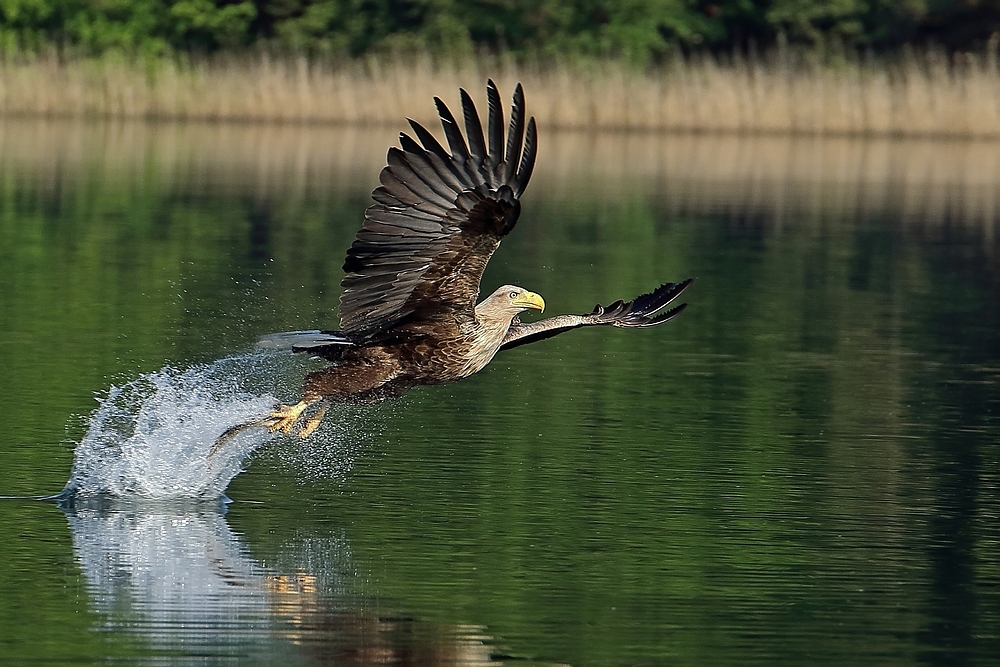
x=344, y=381
x=312, y=423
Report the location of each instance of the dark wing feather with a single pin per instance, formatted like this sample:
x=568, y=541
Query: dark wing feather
x=643, y=311
x=520, y=180
x=437, y=219
x=473, y=128
x=515, y=135
x=495, y=130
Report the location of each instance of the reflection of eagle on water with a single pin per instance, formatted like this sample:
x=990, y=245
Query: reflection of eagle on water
x=408, y=314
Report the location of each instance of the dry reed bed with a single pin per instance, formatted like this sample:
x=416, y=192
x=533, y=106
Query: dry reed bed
x=917, y=95
x=786, y=179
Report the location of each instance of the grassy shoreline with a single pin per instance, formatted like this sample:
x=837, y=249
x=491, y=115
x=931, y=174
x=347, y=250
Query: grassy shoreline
x=917, y=94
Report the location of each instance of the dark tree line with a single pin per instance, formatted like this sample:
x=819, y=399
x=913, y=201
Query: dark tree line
x=639, y=30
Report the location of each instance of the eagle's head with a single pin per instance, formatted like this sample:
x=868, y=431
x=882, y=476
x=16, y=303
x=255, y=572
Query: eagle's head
x=506, y=302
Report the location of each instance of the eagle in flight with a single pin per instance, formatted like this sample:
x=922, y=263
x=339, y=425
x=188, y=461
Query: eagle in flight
x=408, y=312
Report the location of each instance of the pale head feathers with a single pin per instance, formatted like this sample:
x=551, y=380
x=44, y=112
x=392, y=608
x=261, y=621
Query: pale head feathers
x=505, y=302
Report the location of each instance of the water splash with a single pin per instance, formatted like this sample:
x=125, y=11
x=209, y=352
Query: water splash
x=151, y=437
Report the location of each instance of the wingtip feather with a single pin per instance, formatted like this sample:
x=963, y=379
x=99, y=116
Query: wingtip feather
x=473, y=126
x=527, y=158
x=665, y=316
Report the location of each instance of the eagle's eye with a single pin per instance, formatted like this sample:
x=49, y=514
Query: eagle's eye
x=513, y=295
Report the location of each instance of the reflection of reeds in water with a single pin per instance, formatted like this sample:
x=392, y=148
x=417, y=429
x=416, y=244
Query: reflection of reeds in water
x=927, y=94
x=922, y=182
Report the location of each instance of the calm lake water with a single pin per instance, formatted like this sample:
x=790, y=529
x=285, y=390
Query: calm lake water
x=803, y=468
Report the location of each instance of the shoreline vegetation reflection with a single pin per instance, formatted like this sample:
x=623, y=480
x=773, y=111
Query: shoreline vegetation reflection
x=926, y=180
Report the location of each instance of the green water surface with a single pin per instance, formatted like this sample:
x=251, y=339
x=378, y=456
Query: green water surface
x=803, y=468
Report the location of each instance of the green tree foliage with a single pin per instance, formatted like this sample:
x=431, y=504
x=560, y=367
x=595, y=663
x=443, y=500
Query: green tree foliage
x=637, y=30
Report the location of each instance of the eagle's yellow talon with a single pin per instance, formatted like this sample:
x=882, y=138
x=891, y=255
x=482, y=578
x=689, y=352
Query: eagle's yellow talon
x=311, y=425
x=313, y=422
x=284, y=417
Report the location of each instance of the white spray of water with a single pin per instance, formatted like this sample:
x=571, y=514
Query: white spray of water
x=152, y=437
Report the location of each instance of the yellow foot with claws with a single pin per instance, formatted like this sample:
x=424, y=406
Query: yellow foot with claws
x=313, y=422
x=284, y=417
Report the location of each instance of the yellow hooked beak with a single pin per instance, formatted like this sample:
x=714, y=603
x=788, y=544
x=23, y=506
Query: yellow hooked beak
x=528, y=299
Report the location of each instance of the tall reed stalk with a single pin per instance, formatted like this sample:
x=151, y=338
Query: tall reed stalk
x=912, y=94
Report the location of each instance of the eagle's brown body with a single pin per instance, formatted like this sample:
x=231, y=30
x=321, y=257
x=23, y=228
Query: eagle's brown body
x=408, y=312
x=421, y=353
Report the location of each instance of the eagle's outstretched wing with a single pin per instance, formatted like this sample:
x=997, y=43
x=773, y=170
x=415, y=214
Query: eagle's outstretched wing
x=437, y=219
x=643, y=311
